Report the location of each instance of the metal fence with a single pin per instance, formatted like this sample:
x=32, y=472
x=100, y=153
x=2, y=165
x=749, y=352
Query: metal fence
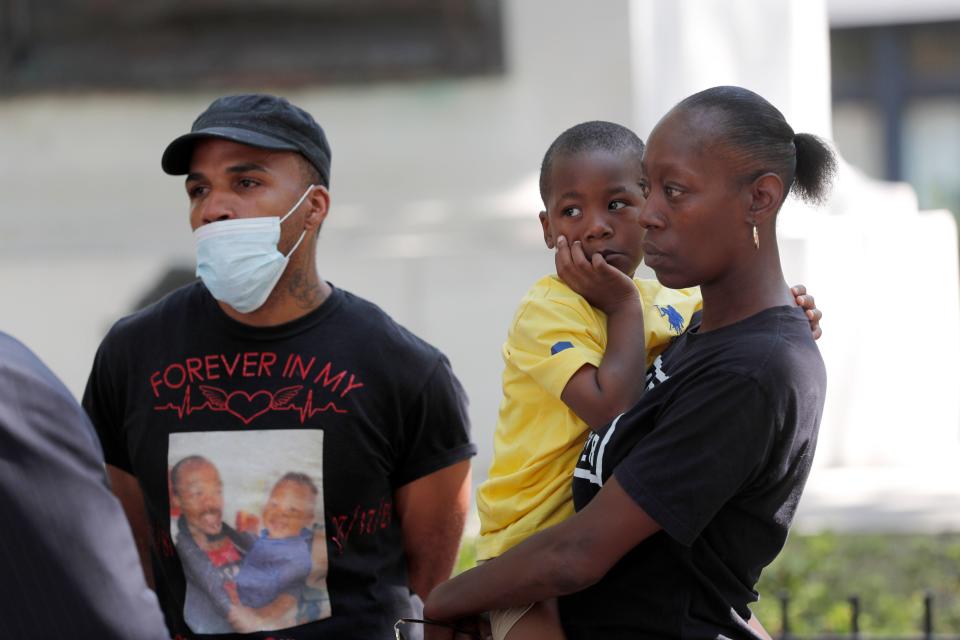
x=925, y=630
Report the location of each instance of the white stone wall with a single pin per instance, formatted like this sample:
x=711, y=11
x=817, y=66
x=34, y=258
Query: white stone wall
x=435, y=202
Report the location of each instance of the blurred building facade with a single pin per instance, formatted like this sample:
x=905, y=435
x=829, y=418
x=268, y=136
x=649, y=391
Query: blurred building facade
x=437, y=140
x=896, y=93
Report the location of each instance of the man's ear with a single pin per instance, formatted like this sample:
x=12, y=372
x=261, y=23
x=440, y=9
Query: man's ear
x=319, y=202
x=547, y=232
x=766, y=196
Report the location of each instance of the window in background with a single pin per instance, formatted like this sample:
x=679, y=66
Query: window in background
x=896, y=96
x=931, y=151
x=58, y=45
x=858, y=134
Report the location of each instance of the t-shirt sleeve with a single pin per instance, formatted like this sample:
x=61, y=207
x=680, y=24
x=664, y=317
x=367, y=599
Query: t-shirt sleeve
x=102, y=400
x=550, y=340
x=666, y=314
x=436, y=429
x=710, y=441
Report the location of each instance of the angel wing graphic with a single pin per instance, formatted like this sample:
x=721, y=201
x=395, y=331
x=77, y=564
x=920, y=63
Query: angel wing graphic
x=283, y=396
x=217, y=398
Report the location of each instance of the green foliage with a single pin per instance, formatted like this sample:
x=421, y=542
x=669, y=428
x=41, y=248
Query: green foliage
x=468, y=555
x=889, y=573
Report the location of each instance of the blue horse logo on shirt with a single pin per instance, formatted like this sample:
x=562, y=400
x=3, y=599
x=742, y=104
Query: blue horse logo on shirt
x=673, y=317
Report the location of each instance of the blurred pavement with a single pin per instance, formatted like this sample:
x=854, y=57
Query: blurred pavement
x=883, y=499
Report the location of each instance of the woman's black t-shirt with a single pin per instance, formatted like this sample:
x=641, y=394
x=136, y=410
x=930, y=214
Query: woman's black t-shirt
x=717, y=453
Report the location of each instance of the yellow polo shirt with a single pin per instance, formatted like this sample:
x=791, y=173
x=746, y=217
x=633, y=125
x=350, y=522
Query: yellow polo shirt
x=538, y=438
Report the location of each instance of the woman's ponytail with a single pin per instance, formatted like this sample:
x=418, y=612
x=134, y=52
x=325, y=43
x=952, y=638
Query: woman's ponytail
x=816, y=168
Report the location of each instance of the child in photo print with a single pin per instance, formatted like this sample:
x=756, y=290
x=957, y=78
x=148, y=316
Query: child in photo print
x=284, y=558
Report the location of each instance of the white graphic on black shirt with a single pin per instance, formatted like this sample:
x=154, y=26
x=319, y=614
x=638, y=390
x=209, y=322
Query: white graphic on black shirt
x=656, y=374
x=593, y=455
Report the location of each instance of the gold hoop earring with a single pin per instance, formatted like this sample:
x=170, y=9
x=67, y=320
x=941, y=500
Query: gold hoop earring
x=756, y=237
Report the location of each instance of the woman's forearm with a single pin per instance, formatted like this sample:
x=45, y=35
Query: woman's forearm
x=544, y=566
x=563, y=559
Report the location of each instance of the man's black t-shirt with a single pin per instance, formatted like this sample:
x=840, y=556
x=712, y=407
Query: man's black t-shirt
x=717, y=453
x=346, y=400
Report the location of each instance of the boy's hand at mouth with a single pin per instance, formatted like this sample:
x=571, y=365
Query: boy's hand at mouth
x=600, y=283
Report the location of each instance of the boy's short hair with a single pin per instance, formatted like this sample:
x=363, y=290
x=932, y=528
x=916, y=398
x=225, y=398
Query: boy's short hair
x=588, y=136
x=299, y=478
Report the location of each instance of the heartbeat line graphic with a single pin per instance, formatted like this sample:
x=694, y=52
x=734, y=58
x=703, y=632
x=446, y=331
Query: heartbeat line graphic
x=249, y=406
x=307, y=411
x=183, y=409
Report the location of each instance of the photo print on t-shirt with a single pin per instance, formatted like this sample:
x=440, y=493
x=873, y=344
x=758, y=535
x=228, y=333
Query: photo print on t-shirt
x=247, y=520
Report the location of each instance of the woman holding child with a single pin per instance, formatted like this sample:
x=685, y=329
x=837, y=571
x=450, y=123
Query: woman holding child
x=685, y=498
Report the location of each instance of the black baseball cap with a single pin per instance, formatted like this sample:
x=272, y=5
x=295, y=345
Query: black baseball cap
x=256, y=119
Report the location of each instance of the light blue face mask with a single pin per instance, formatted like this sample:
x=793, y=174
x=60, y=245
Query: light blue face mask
x=238, y=259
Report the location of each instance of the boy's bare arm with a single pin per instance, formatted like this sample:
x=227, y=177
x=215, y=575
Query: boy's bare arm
x=806, y=302
x=599, y=394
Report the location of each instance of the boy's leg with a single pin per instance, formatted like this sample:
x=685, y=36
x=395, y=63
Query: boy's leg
x=540, y=621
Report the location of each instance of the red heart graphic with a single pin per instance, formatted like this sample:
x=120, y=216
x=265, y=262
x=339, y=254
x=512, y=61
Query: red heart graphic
x=246, y=406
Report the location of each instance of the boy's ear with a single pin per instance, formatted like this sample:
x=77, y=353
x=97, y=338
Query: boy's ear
x=547, y=232
x=766, y=195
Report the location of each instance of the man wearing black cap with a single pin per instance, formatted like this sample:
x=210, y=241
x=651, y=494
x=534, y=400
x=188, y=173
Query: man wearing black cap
x=264, y=369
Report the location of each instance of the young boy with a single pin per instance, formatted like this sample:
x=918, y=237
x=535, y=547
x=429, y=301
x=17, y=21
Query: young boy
x=281, y=561
x=578, y=346
x=574, y=362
